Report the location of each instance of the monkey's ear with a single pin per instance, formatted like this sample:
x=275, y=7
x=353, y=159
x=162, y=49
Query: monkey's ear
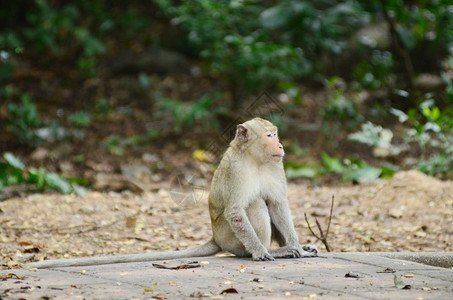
x=242, y=133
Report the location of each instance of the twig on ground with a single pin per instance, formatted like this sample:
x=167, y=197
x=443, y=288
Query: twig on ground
x=323, y=235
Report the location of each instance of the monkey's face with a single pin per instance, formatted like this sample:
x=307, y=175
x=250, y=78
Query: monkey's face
x=273, y=146
x=258, y=139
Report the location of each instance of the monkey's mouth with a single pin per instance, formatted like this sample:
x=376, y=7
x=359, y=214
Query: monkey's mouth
x=278, y=155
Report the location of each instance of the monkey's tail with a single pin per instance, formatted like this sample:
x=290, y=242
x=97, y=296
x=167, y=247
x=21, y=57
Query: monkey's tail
x=207, y=249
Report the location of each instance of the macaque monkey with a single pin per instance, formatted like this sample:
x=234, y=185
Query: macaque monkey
x=247, y=203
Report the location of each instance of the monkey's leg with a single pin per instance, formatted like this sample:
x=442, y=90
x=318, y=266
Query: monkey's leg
x=243, y=230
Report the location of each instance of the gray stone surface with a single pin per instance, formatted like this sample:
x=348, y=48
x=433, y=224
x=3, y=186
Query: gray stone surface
x=313, y=278
x=437, y=259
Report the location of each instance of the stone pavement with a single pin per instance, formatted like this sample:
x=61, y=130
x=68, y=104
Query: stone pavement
x=332, y=276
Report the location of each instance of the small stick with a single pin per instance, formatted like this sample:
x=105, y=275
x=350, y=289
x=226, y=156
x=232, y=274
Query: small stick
x=323, y=236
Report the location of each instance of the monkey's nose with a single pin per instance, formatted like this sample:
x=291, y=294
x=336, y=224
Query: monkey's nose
x=280, y=146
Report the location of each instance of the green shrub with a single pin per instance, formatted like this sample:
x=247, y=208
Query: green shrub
x=237, y=49
x=14, y=172
x=23, y=120
x=180, y=115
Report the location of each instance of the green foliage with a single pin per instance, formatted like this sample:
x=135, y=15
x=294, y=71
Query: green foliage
x=13, y=172
x=80, y=119
x=23, y=120
x=353, y=169
x=324, y=26
x=24, y=123
x=301, y=172
x=54, y=29
x=117, y=145
x=114, y=144
x=377, y=137
x=428, y=127
x=102, y=108
x=427, y=21
x=179, y=114
x=10, y=40
x=229, y=37
x=297, y=150
x=448, y=80
x=376, y=72
x=340, y=111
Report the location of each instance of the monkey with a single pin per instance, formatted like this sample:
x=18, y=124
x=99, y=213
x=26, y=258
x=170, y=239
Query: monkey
x=248, y=206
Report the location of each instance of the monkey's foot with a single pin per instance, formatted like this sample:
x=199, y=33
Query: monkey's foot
x=310, y=249
x=263, y=257
x=285, y=252
x=299, y=251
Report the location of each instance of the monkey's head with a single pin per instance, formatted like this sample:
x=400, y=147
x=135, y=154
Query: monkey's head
x=259, y=139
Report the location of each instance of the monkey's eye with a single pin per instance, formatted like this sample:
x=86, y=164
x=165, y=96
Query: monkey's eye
x=271, y=134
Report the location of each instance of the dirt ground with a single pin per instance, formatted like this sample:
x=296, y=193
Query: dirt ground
x=410, y=212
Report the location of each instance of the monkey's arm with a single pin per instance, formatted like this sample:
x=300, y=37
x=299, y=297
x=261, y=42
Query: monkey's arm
x=243, y=230
x=281, y=219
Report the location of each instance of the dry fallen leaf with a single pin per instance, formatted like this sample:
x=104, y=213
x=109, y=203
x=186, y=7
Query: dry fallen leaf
x=353, y=275
x=151, y=288
x=229, y=291
x=427, y=289
x=387, y=270
x=178, y=266
x=11, y=275
x=400, y=284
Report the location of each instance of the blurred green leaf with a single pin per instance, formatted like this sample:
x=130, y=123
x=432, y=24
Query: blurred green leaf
x=332, y=164
x=79, y=190
x=38, y=176
x=366, y=173
x=402, y=116
x=3, y=176
x=388, y=170
x=13, y=161
x=276, y=16
x=57, y=182
x=301, y=172
x=80, y=119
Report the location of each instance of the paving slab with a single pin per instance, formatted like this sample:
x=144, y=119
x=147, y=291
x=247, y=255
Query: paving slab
x=313, y=278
